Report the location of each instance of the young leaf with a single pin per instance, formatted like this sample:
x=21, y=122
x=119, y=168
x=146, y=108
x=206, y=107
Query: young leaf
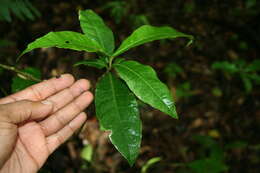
x=117, y=111
x=147, y=33
x=144, y=83
x=64, y=39
x=98, y=63
x=94, y=27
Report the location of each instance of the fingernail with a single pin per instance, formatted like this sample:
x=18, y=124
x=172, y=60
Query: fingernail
x=46, y=102
x=58, y=76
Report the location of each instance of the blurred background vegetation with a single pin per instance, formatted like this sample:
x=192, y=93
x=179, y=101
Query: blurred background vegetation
x=215, y=81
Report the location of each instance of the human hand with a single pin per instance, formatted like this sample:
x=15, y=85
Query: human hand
x=35, y=121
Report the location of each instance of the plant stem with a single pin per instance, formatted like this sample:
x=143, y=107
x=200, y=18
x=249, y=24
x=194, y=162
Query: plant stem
x=19, y=72
x=110, y=63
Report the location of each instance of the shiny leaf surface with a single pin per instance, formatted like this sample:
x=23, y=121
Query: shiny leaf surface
x=147, y=33
x=97, y=63
x=66, y=40
x=94, y=27
x=144, y=83
x=117, y=111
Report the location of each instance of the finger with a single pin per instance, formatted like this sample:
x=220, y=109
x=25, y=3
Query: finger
x=67, y=95
x=61, y=136
x=41, y=90
x=62, y=117
x=21, y=111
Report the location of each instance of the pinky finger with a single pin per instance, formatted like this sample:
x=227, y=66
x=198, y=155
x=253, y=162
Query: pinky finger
x=55, y=140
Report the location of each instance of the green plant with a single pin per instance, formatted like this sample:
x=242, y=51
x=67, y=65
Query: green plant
x=116, y=105
x=247, y=72
x=150, y=163
x=22, y=9
x=138, y=20
x=250, y=3
x=189, y=7
x=87, y=155
x=24, y=78
x=184, y=90
x=118, y=9
x=173, y=69
x=213, y=161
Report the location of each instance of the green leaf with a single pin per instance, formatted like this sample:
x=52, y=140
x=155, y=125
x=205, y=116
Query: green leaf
x=64, y=39
x=144, y=83
x=118, y=61
x=236, y=145
x=208, y=165
x=254, y=66
x=255, y=78
x=4, y=11
x=87, y=153
x=147, y=33
x=118, y=9
x=94, y=28
x=184, y=90
x=225, y=66
x=23, y=9
x=117, y=111
x=208, y=143
x=19, y=83
x=172, y=69
x=247, y=82
x=98, y=63
x=150, y=163
x=205, y=141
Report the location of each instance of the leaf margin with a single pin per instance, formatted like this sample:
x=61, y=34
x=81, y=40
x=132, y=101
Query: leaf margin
x=124, y=47
x=171, y=110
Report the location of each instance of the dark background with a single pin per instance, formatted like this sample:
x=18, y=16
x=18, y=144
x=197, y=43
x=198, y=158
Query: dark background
x=211, y=103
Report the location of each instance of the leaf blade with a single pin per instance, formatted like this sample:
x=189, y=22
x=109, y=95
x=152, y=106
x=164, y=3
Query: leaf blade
x=97, y=63
x=63, y=39
x=144, y=83
x=94, y=27
x=147, y=33
x=117, y=111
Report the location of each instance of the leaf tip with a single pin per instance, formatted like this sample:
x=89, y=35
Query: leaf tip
x=175, y=114
x=131, y=163
x=191, y=40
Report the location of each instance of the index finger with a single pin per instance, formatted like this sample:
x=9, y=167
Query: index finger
x=42, y=90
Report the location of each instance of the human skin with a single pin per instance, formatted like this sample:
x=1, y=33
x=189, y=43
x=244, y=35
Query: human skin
x=37, y=120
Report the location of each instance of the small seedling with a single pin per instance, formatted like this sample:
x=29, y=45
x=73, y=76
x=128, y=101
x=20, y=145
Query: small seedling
x=172, y=70
x=213, y=158
x=184, y=90
x=247, y=72
x=115, y=101
x=118, y=9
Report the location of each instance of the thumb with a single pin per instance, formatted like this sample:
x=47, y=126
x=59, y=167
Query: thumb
x=25, y=110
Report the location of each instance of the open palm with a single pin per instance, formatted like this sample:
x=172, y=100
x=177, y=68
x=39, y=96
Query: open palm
x=30, y=130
